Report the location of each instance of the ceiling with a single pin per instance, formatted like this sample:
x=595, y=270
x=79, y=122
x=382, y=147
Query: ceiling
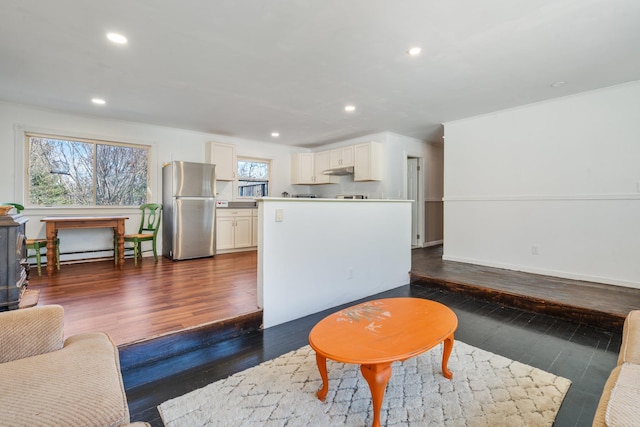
x=247, y=68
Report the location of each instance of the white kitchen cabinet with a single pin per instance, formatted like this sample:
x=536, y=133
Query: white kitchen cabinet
x=302, y=168
x=307, y=168
x=341, y=157
x=367, y=164
x=243, y=232
x=254, y=227
x=321, y=164
x=233, y=229
x=224, y=157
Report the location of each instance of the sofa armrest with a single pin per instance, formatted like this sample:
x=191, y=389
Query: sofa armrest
x=79, y=385
x=30, y=332
x=630, y=348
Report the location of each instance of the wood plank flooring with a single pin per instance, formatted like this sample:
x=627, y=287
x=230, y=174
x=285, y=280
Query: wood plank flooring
x=583, y=354
x=150, y=299
x=156, y=299
x=597, y=304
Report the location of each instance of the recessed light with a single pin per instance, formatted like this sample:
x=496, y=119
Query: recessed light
x=558, y=84
x=117, y=38
x=350, y=108
x=98, y=101
x=275, y=134
x=415, y=51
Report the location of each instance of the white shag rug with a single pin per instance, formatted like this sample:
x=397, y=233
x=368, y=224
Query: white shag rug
x=486, y=390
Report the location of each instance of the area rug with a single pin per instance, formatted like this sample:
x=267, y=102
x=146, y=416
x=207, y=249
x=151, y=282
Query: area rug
x=486, y=390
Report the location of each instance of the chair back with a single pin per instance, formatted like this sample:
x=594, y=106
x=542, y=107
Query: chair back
x=19, y=208
x=151, y=216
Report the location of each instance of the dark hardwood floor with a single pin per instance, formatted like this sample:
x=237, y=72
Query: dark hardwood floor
x=584, y=354
x=213, y=302
x=596, y=304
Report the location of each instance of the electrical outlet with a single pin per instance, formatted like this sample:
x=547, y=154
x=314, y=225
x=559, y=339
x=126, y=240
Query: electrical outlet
x=279, y=215
x=534, y=250
x=350, y=273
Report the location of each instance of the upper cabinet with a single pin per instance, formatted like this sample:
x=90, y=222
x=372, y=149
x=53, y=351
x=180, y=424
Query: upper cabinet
x=302, y=168
x=321, y=164
x=367, y=162
x=307, y=168
x=224, y=157
x=341, y=157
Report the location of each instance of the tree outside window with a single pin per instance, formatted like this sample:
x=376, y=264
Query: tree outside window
x=74, y=172
x=253, y=178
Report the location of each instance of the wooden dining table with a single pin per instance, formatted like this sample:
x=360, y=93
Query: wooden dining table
x=55, y=223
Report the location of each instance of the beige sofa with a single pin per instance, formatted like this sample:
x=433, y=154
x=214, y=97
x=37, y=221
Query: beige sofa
x=45, y=381
x=620, y=401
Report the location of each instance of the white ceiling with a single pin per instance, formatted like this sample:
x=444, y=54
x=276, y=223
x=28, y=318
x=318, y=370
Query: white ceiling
x=249, y=67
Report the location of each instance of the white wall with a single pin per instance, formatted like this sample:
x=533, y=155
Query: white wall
x=560, y=178
x=166, y=144
x=329, y=252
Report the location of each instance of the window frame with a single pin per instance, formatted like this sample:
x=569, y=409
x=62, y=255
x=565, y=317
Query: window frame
x=238, y=178
x=95, y=141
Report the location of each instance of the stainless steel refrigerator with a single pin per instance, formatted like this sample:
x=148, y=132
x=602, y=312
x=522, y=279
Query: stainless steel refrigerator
x=188, y=210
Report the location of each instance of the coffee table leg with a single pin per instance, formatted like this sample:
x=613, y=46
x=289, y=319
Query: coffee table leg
x=377, y=377
x=322, y=367
x=448, y=346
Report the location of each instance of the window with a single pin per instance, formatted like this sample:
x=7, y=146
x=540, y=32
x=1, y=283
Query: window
x=253, y=178
x=82, y=172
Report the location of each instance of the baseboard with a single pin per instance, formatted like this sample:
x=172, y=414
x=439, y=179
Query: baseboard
x=544, y=272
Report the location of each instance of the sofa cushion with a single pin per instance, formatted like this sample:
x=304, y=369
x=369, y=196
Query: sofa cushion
x=630, y=348
x=79, y=385
x=623, y=408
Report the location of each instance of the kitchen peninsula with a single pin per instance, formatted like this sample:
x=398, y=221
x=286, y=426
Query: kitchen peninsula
x=314, y=254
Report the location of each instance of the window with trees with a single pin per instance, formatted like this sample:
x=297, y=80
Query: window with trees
x=253, y=178
x=82, y=172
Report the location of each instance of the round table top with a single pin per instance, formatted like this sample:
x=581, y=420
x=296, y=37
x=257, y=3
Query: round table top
x=383, y=330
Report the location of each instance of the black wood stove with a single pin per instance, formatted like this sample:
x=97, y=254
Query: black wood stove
x=14, y=269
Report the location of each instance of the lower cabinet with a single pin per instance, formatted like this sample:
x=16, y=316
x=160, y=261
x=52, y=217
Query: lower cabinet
x=234, y=229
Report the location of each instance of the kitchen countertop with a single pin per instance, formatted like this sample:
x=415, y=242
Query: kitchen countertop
x=330, y=200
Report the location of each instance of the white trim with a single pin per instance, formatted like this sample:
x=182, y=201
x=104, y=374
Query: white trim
x=538, y=198
x=19, y=166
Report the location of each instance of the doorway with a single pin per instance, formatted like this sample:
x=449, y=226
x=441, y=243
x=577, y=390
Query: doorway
x=414, y=192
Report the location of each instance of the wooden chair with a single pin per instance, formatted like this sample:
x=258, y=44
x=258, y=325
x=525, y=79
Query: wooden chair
x=37, y=244
x=148, y=231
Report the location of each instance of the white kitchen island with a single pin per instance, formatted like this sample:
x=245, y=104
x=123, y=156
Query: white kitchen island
x=314, y=254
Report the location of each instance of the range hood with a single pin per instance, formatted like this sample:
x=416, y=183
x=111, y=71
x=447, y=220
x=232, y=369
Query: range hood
x=347, y=170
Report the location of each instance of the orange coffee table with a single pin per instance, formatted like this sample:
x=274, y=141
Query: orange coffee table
x=377, y=333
